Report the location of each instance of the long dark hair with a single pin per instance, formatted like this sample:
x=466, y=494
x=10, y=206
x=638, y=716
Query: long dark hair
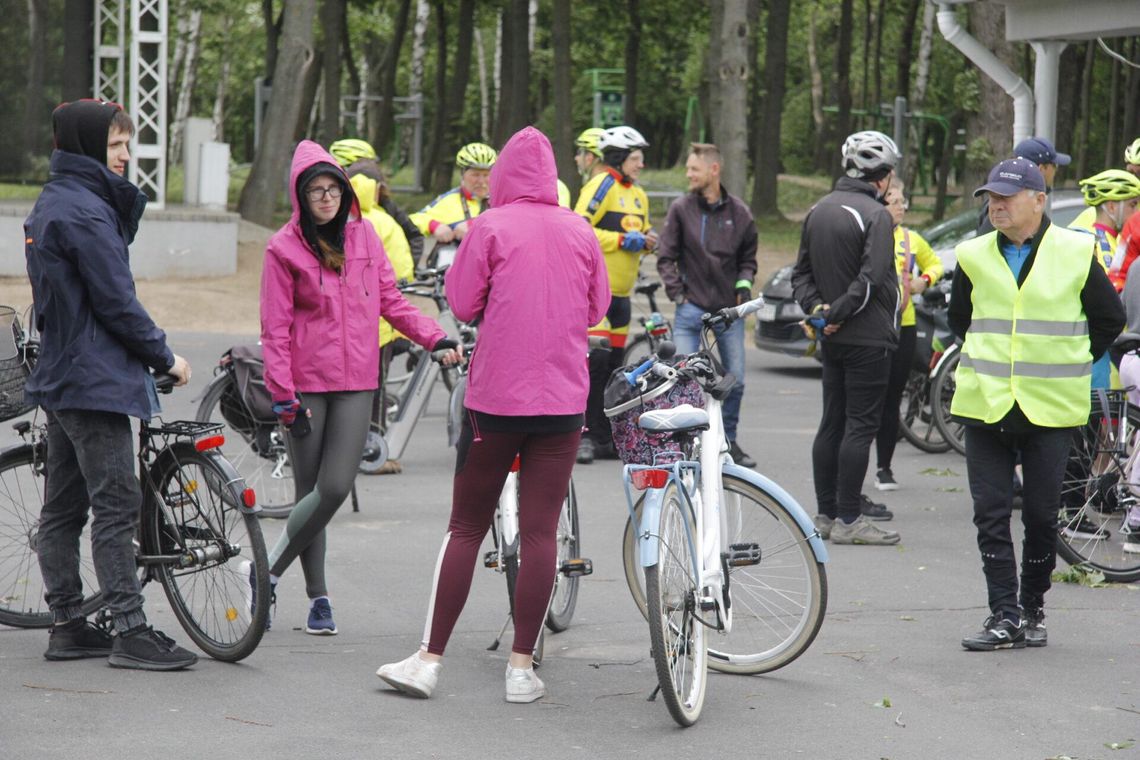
x=325, y=240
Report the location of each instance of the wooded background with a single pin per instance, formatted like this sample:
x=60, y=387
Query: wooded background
x=776, y=83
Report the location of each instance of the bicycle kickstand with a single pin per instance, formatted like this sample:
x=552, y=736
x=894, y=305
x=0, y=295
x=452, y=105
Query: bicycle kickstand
x=502, y=631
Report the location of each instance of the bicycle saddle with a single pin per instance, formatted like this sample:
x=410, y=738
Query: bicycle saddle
x=1127, y=342
x=647, y=289
x=679, y=419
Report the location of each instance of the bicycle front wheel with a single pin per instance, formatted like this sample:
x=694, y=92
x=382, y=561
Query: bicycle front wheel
x=941, y=394
x=204, y=550
x=678, y=638
x=1095, y=500
x=778, y=606
x=565, y=596
x=256, y=448
x=22, y=603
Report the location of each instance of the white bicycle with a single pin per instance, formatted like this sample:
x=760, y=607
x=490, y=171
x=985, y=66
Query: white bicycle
x=734, y=575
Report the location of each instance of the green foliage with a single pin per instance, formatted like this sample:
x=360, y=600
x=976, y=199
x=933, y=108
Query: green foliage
x=1082, y=575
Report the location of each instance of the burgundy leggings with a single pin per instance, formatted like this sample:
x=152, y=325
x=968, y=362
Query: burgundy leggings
x=481, y=467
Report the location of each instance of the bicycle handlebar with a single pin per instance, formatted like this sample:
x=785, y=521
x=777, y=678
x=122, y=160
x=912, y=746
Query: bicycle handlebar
x=733, y=313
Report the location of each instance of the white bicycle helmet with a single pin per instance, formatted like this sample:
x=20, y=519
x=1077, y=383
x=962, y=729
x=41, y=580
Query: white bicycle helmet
x=621, y=138
x=868, y=152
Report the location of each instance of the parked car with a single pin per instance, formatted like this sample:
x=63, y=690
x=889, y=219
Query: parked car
x=777, y=323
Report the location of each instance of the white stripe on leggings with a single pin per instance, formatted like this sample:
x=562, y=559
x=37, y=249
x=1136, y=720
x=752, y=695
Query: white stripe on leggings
x=434, y=587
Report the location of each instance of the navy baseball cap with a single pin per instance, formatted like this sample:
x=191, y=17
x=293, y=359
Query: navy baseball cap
x=1012, y=176
x=1041, y=151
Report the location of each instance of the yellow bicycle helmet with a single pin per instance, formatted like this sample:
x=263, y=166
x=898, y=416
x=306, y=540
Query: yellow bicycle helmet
x=351, y=150
x=588, y=140
x=1132, y=153
x=1110, y=185
x=475, y=156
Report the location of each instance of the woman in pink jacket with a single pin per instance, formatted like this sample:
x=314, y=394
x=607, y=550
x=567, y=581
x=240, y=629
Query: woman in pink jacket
x=533, y=273
x=324, y=286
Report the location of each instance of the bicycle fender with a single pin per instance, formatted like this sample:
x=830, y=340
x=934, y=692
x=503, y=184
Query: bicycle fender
x=785, y=499
x=647, y=542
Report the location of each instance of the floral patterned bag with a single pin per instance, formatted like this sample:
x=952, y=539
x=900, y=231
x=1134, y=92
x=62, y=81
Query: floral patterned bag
x=625, y=404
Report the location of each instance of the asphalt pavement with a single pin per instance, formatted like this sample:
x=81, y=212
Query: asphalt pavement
x=886, y=678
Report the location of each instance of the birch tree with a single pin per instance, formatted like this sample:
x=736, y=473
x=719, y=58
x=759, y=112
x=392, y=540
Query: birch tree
x=186, y=85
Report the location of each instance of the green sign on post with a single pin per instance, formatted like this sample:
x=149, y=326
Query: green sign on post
x=609, y=96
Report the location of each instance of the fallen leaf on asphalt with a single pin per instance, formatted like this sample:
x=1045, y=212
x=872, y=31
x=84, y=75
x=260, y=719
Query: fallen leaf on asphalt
x=946, y=473
x=884, y=702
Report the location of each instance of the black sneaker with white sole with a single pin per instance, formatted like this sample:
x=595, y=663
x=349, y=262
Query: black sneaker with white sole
x=885, y=480
x=1083, y=527
x=997, y=633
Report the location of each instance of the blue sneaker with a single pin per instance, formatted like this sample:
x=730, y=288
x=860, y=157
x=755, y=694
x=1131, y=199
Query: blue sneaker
x=320, y=621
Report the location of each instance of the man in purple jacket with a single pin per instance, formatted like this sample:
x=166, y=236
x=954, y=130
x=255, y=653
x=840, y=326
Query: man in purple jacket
x=707, y=260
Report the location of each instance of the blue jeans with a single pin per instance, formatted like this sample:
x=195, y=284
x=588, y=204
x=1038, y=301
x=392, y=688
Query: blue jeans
x=91, y=467
x=730, y=342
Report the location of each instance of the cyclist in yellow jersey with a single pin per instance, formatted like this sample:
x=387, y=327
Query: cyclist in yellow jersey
x=1114, y=194
x=911, y=252
x=589, y=156
x=446, y=217
x=618, y=210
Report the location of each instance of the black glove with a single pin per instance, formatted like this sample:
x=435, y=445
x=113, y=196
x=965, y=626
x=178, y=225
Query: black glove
x=742, y=295
x=445, y=344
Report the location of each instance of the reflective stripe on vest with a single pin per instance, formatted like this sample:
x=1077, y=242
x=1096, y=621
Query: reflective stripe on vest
x=1026, y=344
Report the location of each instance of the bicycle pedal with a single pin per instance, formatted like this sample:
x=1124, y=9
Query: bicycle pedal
x=576, y=567
x=491, y=560
x=742, y=555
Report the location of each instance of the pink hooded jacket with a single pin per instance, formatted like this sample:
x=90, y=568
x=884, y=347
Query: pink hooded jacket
x=319, y=330
x=534, y=273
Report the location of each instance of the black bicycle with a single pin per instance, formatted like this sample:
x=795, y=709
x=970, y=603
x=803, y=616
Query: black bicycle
x=198, y=535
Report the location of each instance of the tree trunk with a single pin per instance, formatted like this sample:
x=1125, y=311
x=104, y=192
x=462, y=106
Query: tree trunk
x=332, y=15
x=497, y=69
x=272, y=36
x=878, y=80
x=1086, y=112
x=354, y=80
x=271, y=164
x=925, y=45
x=563, y=105
x=531, y=24
x=1111, y=157
x=632, y=52
x=434, y=174
x=842, y=82
x=219, y=113
x=310, y=99
x=1068, y=100
x=484, y=93
x=868, y=26
x=711, y=101
x=767, y=148
x=390, y=67
x=35, y=105
x=178, y=57
x=514, y=97
x=816, y=96
x=78, y=49
x=906, y=47
x=730, y=124
x=988, y=134
x=186, y=86
x=457, y=92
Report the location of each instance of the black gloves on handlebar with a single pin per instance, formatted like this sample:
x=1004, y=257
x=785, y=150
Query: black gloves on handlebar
x=445, y=344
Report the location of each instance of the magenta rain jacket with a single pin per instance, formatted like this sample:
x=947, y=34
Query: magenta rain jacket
x=534, y=273
x=320, y=330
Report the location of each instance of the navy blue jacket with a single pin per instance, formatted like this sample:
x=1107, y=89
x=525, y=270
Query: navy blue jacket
x=96, y=340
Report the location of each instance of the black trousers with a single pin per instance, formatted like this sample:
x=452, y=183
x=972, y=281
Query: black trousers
x=990, y=457
x=901, y=361
x=854, y=385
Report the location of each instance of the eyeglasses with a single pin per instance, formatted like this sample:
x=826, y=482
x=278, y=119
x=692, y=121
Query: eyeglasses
x=318, y=193
x=901, y=203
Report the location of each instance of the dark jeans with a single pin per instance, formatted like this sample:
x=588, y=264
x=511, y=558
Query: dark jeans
x=91, y=466
x=901, y=361
x=854, y=383
x=990, y=457
x=602, y=363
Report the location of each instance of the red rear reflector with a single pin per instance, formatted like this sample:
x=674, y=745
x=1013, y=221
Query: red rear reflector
x=249, y=498
x=516, y=464
x=659, y=331
x=209, y=442
x=643, y=479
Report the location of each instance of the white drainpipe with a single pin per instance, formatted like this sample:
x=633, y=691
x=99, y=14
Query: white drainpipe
x=992, y=67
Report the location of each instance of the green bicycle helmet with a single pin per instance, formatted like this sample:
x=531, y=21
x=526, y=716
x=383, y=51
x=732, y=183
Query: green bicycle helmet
x=1132, y=153
x=475, y=155
x=1110, y=185
x=588, y=140
x=351, y=150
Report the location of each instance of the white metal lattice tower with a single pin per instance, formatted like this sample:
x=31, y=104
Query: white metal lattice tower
x=110, y=55
x=148, y=98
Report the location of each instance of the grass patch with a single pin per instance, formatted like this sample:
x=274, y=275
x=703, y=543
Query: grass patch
x=19, y=192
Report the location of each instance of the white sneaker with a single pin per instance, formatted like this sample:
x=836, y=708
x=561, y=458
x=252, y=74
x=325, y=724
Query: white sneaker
x=414, y=675
x=523, y=685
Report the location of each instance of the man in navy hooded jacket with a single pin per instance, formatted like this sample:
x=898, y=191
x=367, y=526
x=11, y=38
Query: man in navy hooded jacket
x=97, y=343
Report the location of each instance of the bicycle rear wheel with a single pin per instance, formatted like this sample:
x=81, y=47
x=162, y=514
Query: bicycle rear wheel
x=565, y=596
x=916, y=418
x=778, y=606
x=677, y=637
x=22, y=603
x=1095, y=499
x=941, y=394
x=256, y=449
x=199, y=540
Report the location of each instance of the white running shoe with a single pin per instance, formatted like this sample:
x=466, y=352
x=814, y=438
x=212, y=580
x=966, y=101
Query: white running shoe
x=414, y=675
x=523, y=685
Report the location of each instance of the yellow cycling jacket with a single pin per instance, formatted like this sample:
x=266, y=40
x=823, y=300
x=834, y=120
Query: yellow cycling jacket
x=395, y=242
x=912, y=247
x=452, y=208
x=613, y=208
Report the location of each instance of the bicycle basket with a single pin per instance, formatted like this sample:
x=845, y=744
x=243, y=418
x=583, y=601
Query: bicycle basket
x=14, y=369
x=625, y=405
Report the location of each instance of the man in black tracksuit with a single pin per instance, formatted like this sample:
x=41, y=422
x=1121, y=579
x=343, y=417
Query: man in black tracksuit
x=845, y=273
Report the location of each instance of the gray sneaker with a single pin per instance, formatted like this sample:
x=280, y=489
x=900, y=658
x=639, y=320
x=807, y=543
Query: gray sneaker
x=823, y=525
x=862, y=531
